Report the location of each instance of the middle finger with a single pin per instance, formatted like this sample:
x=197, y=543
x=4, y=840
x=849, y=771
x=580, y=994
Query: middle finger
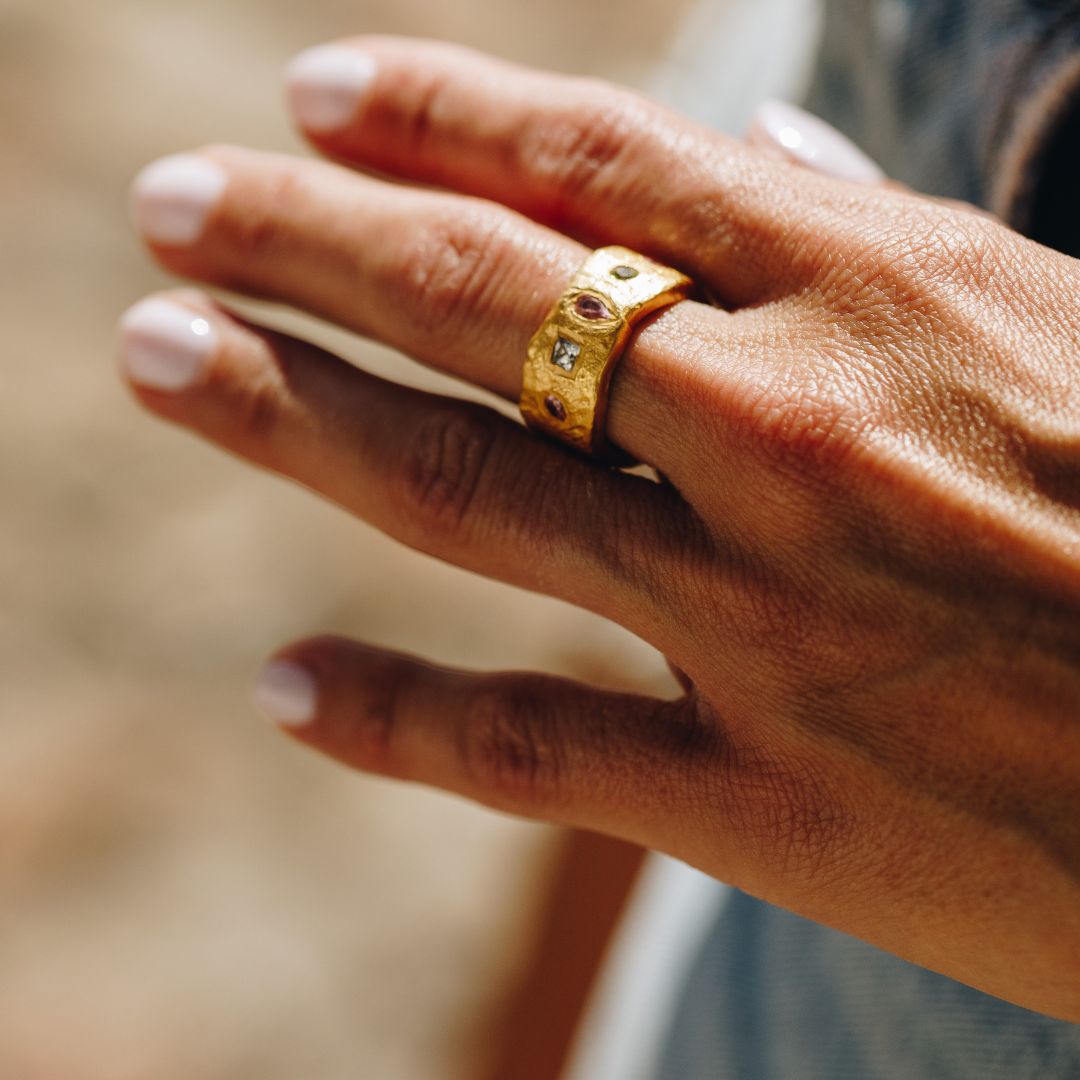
x=458, y=283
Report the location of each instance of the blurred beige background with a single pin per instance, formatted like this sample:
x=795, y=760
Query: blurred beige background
x=183, y=893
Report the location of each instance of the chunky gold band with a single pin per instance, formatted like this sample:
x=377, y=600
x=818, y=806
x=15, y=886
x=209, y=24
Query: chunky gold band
x=571, y=357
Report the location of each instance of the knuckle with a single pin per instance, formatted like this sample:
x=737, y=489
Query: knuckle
x=375, y=732
x=799, y=834
x=624, y=555
x=948, y=246
x=814, y=403
x=255, y=407
x=450, y=269
x=805, y=417
x=625, y=549
x=908, y=264
x=776, y=620
x=577, y=150
x=368, y=732
x=784, y=813
x=423, y=94
x=687, y=732
x=507, y=750
x=447, y=457
x=959, y=249
x=263, y=230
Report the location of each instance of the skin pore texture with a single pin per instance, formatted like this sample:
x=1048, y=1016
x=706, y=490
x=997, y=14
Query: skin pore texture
x=864, y=557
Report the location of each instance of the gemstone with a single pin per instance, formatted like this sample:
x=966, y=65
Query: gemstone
x=591, y=307
x=555, y=407
x=624, y=273
x=565, y=354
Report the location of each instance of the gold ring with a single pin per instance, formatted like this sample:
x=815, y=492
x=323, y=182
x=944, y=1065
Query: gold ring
x=571, y=357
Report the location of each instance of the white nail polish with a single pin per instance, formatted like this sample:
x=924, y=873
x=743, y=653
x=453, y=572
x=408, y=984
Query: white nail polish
x=286, y=693
x=807, y=139
x=325, y=85
x=172, y=198
x=163, y=345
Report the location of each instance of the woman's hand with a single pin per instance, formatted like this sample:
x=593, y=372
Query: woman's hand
x=866, y=561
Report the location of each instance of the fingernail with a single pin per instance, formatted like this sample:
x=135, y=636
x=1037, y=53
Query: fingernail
x=286, y=693
x=325, y=84
x=172, y=198
x=163, y=346
x=808, y=140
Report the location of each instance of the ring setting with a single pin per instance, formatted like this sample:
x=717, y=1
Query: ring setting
x=571, y=357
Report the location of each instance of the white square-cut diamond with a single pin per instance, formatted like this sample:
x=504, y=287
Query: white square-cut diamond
x=565, y=354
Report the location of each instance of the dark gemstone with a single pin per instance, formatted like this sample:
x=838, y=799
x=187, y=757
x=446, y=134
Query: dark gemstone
x=591, y=307
x=555, y=407
x=565, y=354
x=624, y=273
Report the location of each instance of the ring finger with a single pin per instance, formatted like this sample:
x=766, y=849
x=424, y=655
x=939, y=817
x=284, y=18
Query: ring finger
x=451, y=478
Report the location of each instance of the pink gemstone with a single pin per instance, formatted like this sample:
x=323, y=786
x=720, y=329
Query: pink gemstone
x=591, y=307
x=555, y=407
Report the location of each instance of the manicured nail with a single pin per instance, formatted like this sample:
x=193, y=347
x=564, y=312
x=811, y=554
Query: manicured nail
x=286, y=693
x=172, y=198
x=325, y=84
x=807, y=139
x=163, y=346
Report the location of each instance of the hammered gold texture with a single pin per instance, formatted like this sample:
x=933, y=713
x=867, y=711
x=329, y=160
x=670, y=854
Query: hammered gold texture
x=583, y=391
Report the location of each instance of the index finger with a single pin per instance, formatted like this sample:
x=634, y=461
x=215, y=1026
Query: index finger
x=595, y=161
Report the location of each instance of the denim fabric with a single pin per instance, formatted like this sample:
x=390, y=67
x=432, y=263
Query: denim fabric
x=954, y=97
x=774, y=997
x=970, y=99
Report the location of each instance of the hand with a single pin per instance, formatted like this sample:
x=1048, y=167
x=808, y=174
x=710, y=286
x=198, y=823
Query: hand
x=865, y=561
